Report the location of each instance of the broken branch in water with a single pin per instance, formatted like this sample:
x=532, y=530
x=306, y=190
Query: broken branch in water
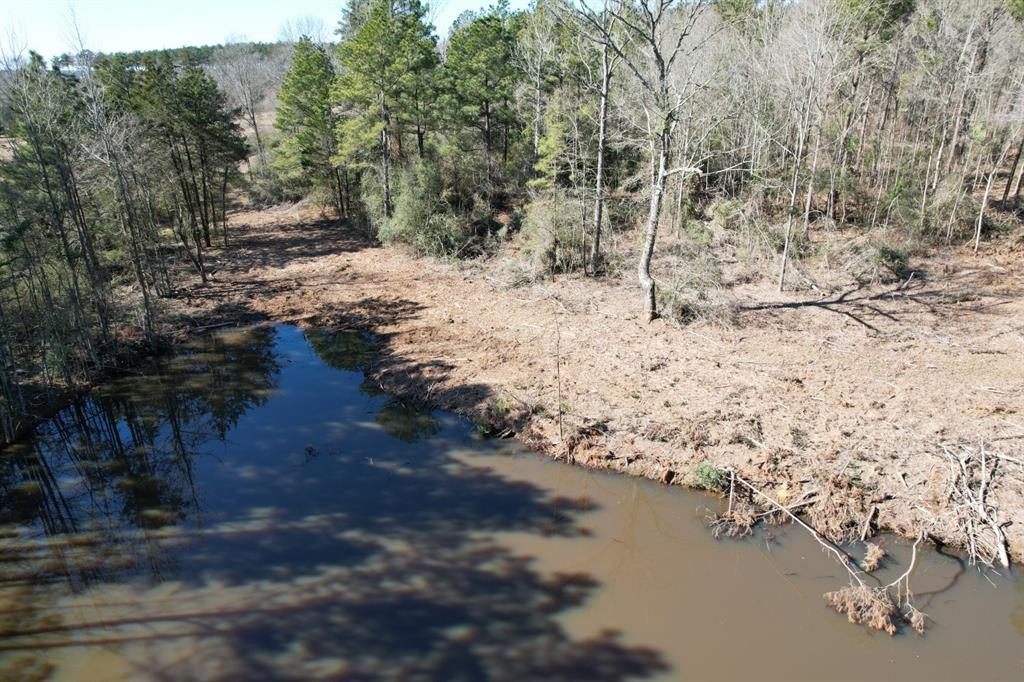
x=878, y=607
x=842, y=556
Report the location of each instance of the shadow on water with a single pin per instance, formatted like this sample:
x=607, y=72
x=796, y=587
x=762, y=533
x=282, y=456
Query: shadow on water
x=243, y=511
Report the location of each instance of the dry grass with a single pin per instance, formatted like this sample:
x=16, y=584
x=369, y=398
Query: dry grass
x=869, y=376
x=873, y=558
x=866, y=606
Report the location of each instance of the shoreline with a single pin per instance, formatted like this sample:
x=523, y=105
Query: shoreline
x=815, y=407
x=848, y=397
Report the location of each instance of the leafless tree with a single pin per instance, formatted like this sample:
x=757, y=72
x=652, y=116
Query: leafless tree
x=249, y=80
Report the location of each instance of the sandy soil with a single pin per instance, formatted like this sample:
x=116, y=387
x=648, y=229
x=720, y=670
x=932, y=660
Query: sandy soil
x=845, y=399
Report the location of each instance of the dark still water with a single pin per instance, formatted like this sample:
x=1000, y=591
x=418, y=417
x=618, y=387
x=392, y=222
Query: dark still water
x=254, y=509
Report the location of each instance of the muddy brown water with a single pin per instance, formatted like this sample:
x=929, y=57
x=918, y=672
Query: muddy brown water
x=252, y=508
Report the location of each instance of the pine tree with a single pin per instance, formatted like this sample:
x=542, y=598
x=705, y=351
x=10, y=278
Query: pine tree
x=480, y=77
x=388, y=70
x=306, y=121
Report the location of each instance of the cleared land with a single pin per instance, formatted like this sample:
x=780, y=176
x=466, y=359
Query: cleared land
x=842, y=400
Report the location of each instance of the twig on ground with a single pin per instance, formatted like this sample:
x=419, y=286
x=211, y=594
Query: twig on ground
x=971, y=481
x=867, y=523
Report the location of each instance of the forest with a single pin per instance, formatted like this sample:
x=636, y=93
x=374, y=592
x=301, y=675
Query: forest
x=769, y=132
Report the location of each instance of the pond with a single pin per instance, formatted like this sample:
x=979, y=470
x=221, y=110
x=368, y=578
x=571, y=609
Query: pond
x=254, y=508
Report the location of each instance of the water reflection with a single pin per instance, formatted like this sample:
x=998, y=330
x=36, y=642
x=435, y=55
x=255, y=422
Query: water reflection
x=1017, y=617
x=353, y=351
x=243, y=511
x=342, y=349
x=253, y=508
x=124, y=456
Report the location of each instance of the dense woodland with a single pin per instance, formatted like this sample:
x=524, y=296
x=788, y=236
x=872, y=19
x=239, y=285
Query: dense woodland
x=580, y=129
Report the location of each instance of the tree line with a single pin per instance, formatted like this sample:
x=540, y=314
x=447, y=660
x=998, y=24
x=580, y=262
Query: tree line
x=114, y=169
x=591, y=127
x=902, y=118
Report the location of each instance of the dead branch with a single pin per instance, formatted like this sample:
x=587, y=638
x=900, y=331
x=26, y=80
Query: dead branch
x=972, y=471
x=877, y=607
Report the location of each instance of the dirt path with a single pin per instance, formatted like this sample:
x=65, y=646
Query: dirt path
x=847, y=397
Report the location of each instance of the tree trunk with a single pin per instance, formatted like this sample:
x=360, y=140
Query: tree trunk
x=1013, y=169
x=487, y=141
x=260, y=151
x=602, y=122
x=199, y=251
x=981, y=211
x=536, y=120
x=199, y=203
x=793, y=186
x=988, y=191
x=224, y=207
x=651, y=231
x=385, y=145
x=1016, y=185
x=810, y=183
x=959, y=120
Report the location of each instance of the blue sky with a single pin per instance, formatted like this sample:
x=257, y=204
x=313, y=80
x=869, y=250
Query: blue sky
x=124, y=25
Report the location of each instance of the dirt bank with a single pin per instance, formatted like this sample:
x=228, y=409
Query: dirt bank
x=845, y=398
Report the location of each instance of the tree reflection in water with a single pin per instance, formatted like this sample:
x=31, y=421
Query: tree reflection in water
x=176, y=522
x=353, y=351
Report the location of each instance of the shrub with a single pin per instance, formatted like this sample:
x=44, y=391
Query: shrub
x=371, y=198
x=624, y=212
x=951, y=214
x=694, y=291
x=553, y=234
x=876, y=258
x=727, y=214
x=708, y=477
x=893, y=259
x=421, y=217
x=271, y=186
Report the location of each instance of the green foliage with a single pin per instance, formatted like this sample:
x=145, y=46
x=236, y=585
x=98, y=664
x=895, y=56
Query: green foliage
x=894, y=259
x=421, y=218
x=306, y=149
x=480, y=75
x=1016, y=9
x=707, y=476
x=689, y=295
x=388, y=65
x=552, y=232
x=387, y=82
x=551, y=153
x=879, y=19
x=103, y=174
x=494, y=417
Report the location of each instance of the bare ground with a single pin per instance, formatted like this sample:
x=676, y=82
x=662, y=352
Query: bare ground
x=845, y=399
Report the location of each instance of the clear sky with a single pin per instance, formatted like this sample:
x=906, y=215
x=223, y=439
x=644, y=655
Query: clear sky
x=125, y=25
